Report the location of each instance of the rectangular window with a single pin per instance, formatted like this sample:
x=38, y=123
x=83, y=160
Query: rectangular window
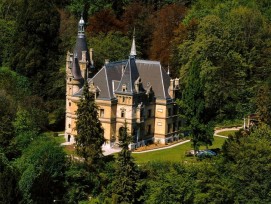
x=149, y=113
x=174, y=127
x=175, y=110
x=168, y=128
x=122, y=113
x=149, y=129
x=169, y=112
x=101, y=113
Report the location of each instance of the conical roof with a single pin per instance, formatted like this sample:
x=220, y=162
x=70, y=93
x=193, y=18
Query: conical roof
x=81, y=42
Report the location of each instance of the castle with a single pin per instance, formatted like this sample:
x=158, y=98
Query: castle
x=139, y=92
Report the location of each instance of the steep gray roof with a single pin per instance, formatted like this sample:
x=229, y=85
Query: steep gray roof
x=105, y=78
x=81, y=45
x=76, y=73
x=129, y=77
x=152, y=73
x=110, y=77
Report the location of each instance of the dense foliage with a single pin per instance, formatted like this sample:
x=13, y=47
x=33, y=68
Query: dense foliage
x=90, y=137
x=221, y=52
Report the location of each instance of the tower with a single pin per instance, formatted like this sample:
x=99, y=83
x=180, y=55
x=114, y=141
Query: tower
x=77, y=65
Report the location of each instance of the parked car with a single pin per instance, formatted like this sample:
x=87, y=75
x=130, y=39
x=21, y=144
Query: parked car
x=201, y=154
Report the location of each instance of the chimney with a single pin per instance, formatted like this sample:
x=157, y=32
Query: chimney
x=171, y=88
x=84, y=56
x=91, y=56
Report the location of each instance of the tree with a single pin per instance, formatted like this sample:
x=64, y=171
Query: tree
x=263, y=103
x=125, y=181
x=7, y=30
x=104, y=21
x=9, y=191
x=139, y=17
x=113, y=46
x=246, y=161
x=37, y=36
x=7, y=114
x=193, y=109
x=165, y=22
x=170, y=183
x=232, y=55
x=90, y=134
x=42, y=168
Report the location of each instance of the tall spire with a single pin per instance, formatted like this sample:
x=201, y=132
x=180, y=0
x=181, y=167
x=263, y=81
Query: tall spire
x=133, y=48
x=168, y=73
x=81, y=25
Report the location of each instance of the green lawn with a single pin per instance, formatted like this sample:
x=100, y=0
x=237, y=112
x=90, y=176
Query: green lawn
x=58, y=139
x=227, y=133
x=175, y=154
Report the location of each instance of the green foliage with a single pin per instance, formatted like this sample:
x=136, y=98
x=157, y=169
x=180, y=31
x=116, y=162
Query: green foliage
x=125, y=181
x=42, y=167
x=247, y=162
x=90, y=137
x=172, y=184
x=36, y=35
x=113, y=46
x=232, y=58
x=9, y=192
x=93, y=6
x=166, y=182
x=263, y=103
x=194, y=110
x=7, y=29
x=13, y=84
x=79, y=182
x=7, y=114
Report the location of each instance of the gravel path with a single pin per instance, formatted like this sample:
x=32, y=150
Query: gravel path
x=152, y=150
x=225, y=129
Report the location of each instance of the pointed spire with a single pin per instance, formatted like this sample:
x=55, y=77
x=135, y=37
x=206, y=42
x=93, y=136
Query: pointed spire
x=133, y=48
x=168, y=73
x=81, y=25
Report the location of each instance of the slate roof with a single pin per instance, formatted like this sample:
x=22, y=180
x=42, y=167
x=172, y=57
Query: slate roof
x=129, y=77
x=81, y=45
x=76, y=73
x=109, y=79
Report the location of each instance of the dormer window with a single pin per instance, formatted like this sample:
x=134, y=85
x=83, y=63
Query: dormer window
x=124, y=88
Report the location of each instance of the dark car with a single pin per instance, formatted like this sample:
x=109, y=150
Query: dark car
x=205, y=154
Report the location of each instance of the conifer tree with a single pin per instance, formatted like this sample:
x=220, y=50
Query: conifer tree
x=35, y=48
x=90, y=134
x=126, y=173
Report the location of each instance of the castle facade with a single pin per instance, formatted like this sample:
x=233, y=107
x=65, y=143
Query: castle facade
x=138, y=92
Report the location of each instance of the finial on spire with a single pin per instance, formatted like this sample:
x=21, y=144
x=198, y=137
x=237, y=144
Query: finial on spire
x=133, y=48
x=81, y=25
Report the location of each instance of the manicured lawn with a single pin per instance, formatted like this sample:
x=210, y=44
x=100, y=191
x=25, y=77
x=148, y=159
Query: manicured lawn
x=58, y=139
x=175, y=154
x=227, y=133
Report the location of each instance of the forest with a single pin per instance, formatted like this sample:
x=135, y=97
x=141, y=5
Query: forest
x=220, y=50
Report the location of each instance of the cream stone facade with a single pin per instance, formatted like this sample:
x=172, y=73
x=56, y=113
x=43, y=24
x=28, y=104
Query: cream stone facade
x=138, y=92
